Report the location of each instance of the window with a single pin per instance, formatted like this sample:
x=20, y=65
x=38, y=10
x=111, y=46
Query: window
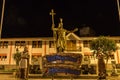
x=20, y=44
x=37, y=44
x=3, y=58
x=51, y=44
x=71, y=45
x=86, y=43
x=4, y=44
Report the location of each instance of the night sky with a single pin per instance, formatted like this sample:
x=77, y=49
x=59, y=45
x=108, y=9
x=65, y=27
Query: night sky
x=30, y=18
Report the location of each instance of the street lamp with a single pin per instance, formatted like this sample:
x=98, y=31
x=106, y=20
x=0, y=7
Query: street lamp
x=2, y=15
x=118, y=9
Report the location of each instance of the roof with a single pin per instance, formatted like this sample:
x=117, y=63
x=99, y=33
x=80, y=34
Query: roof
x=70, y=36
x=27, y=39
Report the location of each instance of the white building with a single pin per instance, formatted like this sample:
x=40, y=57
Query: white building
x=41, y=46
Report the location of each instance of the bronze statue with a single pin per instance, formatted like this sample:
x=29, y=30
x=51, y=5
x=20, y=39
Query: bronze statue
x=59, y=33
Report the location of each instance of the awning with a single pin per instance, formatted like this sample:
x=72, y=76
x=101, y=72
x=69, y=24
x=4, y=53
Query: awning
x=3, y=54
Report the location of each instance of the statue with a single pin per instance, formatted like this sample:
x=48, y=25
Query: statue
x=114, y=71
x=59, y=34
x=24, y=64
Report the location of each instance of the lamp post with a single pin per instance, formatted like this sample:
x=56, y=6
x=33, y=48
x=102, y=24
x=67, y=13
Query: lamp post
x=2, y=15
x=118, y=9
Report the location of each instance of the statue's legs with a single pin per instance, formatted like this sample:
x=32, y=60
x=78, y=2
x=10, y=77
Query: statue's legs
x=23, y=73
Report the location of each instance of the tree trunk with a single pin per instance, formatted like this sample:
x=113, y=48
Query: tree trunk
x=101, y=68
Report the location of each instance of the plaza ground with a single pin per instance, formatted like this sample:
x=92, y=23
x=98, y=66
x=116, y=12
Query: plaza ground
x=12, y=77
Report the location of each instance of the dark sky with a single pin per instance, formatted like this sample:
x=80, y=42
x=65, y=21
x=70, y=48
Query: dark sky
x=30, y=18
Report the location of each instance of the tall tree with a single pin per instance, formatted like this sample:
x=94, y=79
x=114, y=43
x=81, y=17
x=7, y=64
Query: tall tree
x=103, y=48
x=17, y=58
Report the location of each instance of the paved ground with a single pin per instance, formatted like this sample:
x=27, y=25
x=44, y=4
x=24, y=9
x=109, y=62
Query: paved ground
x=11, y=77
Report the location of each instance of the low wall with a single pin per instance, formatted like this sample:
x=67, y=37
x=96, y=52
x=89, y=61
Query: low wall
x=7, y=67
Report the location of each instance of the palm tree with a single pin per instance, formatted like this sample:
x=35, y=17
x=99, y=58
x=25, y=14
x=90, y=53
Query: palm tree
x=17, y=58
x=103, y=48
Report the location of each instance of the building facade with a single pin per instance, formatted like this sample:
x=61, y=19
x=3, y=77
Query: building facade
x=42, y=46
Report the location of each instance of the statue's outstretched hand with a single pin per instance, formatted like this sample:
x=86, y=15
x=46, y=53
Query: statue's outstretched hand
x=76, y=29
